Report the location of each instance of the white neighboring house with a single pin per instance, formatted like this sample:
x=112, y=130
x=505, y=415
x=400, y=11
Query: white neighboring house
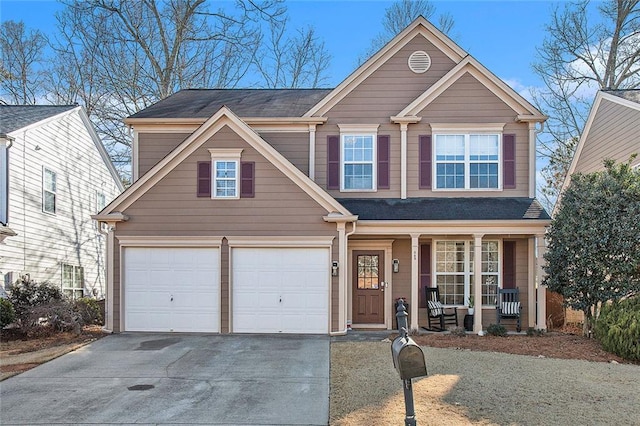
x=54, y=174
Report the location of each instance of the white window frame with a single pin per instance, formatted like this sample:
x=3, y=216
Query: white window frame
x=76, y=286
x=466, y=130
x=48, y=191
x=359, y=130
x=218, y=157
x=101, y=201
x=4, y=180
x=467, y=273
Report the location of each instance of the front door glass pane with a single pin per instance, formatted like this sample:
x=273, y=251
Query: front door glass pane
x=368, y=272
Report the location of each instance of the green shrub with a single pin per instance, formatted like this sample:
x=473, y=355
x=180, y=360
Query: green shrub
x=535, y=332
x=89, y=310
x=497, y=330
x=7, y=313
x=618, y=328
x=26, y=294
x=458, y=331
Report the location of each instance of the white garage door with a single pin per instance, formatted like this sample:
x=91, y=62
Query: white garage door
x=280, y=290
x=171, y=289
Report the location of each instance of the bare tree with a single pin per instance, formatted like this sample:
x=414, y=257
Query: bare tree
x=292, y=61
x=117, y=57
x=577, y=58
x=20, y=69
x=399, y=15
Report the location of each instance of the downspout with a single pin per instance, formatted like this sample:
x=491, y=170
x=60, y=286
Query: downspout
x=341, y=221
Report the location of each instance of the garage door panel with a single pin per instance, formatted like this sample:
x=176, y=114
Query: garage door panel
x=280, y=290
x=171, y=289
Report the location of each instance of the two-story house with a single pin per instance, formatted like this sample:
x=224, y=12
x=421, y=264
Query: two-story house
x=313, y=210
x=54, y=174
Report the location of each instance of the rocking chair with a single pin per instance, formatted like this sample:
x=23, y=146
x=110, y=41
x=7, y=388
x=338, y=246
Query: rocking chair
x=508, y=306
x=437, y=313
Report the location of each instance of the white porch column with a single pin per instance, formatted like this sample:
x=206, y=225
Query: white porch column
x=530, y=319
x=342, y=276
x=403, y=161
x=312, y=151
x=477, y=282
x=108, y=303
x=415, y=301
x=541, y=319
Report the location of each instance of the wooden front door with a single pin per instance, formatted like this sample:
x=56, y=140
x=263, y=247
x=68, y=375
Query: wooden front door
x=368, y=287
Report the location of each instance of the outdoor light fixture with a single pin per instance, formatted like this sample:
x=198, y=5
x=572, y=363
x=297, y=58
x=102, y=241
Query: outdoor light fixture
x=334, y=268
x=396, y=265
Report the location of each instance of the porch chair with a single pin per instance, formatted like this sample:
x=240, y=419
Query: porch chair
x=437, y=313
x=508, y=306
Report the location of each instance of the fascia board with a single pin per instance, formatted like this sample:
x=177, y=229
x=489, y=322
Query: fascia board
x=419, y=26
x=223, y=117
x=451, y=227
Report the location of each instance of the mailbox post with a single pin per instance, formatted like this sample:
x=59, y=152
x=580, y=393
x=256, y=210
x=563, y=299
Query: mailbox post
x=408, y=359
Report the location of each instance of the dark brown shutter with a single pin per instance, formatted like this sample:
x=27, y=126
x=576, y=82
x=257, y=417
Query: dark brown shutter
x=383, y=161
x=509, y=161
x=247, y=181
x=509, y=264
x=333, y=162
x=425, y=161
x=425, y=273
x=204, y=179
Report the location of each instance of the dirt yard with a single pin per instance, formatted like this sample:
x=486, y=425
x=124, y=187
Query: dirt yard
x=18, y=355
x=557, y=382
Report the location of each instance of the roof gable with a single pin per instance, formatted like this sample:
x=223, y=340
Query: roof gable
x=470, y=66
x=223, y=117
x=419, y=26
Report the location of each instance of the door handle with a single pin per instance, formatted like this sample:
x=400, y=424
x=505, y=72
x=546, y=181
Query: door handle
x=383, y=285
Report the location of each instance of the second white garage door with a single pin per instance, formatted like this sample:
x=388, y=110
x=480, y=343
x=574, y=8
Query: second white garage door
x=280, y=290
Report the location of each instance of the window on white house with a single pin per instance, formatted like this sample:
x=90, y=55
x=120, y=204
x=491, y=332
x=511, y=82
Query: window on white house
x=467, y=161
x=454, y=271
x=49, y=191
x=72, y=281
x=358, y=160
x=101, y=201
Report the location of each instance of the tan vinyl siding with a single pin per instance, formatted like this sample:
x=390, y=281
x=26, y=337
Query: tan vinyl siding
x=613, y=134
x=390, y=88
x=224, y=286
x=280, y=208
x=153, y=147
x=335, y=292
x=294, y=147
x=402, y=280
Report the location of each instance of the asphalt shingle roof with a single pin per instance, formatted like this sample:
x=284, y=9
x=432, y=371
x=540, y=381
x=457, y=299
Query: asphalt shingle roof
x=203, y=103
x=492, y=208
x=628, y=94
x=14, y=117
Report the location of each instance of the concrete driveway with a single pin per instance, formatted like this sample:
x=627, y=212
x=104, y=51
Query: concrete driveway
x=177, y=379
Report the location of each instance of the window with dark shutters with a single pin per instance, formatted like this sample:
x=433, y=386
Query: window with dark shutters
x=383, y=161
x=425, y=161
x=247, y=181
x=204, y=179
x=509, y=161
x=333, y=162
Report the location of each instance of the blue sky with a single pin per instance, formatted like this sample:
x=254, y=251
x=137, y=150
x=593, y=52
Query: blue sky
x=502, y=35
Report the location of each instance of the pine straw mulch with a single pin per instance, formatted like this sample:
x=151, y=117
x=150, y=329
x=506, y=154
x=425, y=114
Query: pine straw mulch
x=567, y=343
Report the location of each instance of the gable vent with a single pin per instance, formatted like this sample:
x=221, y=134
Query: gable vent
x=419, y=62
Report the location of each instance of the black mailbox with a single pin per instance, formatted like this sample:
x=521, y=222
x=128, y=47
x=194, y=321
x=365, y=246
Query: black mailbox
x=408, y=358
